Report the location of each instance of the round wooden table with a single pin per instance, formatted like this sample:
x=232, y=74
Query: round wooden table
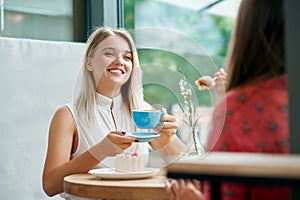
x=89, y=186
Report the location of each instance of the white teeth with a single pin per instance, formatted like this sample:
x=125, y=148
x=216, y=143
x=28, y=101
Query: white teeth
x=116, y=71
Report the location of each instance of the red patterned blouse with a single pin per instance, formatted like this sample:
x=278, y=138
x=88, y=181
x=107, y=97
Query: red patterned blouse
x=253, y=118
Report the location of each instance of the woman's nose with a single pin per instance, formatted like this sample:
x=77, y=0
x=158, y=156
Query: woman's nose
x=119, y=60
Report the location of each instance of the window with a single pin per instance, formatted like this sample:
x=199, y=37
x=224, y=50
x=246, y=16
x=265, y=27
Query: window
x=189, y=22
x=191, y=35
x=46, y=20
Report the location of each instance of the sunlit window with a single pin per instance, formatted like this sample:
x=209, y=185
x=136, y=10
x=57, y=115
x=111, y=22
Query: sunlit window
x=207, y=23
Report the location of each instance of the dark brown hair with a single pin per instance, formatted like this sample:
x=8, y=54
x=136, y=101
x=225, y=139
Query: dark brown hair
x=256, y=49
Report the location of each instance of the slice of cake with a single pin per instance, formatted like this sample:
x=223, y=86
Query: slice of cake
x=129, y=163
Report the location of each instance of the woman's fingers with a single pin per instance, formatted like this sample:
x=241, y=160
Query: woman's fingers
x=164, y=111
x=222, y=71
x=220, y=82
x=169, y=190
x=175, y=186
x=183, y=189
x=197, y=184
x=168, y=125
x=168, y=118
x=120, y=139
x=168, y=122
x=221, y=74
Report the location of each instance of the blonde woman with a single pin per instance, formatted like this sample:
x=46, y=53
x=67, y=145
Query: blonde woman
x=89, y=131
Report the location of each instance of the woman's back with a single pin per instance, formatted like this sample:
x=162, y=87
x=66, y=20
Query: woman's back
x=256, y=120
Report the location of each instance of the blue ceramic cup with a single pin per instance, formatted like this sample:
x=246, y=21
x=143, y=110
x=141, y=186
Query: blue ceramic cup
x=146, y=119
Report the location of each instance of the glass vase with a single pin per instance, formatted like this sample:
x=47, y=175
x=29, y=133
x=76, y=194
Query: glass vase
x=196, y=148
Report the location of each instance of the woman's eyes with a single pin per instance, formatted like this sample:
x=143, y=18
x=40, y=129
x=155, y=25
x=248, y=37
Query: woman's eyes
x=127, y=57
x=109, y=53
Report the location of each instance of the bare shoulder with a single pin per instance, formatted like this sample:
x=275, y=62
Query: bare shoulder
x=63, y=119
x=63, y=114
x=63, y=111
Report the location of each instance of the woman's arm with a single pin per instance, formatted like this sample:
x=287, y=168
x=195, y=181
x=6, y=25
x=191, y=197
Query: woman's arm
x=58, y=162
x=60, y=143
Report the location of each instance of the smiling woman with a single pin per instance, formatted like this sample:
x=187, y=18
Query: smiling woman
x=111, y=65
x=91, y=130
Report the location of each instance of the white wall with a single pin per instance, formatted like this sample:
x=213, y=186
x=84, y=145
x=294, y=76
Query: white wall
x=35, y=78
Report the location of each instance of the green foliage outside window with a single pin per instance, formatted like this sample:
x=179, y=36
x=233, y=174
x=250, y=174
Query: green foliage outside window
x=211, y=32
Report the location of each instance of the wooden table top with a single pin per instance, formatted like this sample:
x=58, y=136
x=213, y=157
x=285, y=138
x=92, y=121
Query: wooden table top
x=89, y=186
x=240, y=164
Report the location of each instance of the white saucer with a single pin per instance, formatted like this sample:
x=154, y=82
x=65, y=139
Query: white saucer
x=111, y=173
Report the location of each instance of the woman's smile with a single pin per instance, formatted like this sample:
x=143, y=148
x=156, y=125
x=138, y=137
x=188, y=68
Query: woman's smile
x=117, y=71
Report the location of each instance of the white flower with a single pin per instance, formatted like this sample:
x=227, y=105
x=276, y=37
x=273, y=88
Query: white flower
x=186, y=94
x=189, y=92
x=189, y=112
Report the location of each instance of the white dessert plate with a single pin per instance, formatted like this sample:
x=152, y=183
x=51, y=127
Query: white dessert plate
x=111, y=173
x=144, y=136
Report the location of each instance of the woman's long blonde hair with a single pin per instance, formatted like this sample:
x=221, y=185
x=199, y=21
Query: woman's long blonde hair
x=132, y=90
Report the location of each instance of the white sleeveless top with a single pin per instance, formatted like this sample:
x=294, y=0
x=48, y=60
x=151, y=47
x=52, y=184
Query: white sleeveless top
x=108, y=110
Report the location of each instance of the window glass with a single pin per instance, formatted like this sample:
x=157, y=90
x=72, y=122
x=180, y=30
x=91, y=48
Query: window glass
x=210, y=29
x=35, y=19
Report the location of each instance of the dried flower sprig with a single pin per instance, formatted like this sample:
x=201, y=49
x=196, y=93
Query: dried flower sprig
x=190, y=117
